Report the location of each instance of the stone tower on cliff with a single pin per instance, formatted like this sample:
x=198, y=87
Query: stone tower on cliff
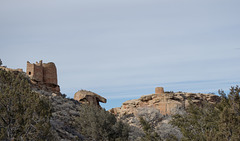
x=43, y=73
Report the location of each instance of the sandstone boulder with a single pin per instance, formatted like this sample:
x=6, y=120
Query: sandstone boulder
x=88, y=97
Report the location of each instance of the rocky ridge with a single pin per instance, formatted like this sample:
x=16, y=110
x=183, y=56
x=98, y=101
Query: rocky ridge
x=165, y=102
x=157, y=109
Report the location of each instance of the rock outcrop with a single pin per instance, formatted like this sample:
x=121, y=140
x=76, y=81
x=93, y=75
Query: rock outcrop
x=165, y=102
x=12, y=70
x=88, y=97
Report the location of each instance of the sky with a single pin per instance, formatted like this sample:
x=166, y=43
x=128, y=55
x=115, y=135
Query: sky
x=123, y=49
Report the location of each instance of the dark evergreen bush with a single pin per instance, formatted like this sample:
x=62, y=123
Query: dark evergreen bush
x=99, y=124
x=213, y=122
x=24, y=115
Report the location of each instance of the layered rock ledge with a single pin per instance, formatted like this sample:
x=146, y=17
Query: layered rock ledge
x=166, y=102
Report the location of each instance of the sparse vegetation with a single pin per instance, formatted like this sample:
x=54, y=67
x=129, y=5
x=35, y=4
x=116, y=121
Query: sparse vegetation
x=0, y=62
x=150, y=134
x=150, y=124
x=154, y=126
x=98, y=124
x=212, y=122
x=63, y=120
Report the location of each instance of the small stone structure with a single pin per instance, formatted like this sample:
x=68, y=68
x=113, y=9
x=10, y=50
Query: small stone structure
x=88, y=97
x=43, y=74
x=159, y=90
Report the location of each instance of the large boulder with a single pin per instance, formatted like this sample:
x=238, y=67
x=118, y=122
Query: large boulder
x=88, y=97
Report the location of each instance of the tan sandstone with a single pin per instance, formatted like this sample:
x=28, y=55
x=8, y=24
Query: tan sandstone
x=88, y=97
x=43, y=75
x=12, y=70
x=165, y=102
x=159, y=90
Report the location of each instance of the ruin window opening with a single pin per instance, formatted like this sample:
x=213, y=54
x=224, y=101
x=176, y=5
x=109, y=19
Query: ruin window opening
x=29, y=73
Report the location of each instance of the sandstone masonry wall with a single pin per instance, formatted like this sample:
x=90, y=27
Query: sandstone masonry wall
x=50, y=73
x=159, y=90
x=43, y=75
x=42, y=72
x=35, y=71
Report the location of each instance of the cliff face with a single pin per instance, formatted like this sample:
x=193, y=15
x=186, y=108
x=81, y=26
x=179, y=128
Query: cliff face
x=165, y=102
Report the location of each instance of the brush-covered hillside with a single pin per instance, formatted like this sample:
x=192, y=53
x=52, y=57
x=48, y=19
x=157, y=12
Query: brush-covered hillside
x=28, y=113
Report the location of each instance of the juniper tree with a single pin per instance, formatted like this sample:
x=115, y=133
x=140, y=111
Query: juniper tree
x=24, y=115
x=229, y=117
x=220, y=121
x=99, y=124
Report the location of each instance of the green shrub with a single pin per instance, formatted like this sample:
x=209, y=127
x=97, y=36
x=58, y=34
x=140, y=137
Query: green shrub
x=219, y=121
x=150, y=134
x=98, y=124
x=24, y=115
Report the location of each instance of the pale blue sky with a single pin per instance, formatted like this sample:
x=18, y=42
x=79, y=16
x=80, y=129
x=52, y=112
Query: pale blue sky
x=124, y=49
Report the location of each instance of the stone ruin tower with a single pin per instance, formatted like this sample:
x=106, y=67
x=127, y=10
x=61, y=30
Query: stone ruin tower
x=159, y=90
x=43, y=74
